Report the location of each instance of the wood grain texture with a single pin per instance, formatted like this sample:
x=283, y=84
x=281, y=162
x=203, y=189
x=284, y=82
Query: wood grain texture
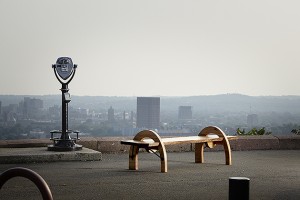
x=150, y=140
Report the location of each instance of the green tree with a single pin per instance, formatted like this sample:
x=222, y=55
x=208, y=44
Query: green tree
x=296, y=131
x=253, y=131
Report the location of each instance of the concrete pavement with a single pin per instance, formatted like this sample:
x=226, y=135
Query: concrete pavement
x=41, y=154
x=274, y=174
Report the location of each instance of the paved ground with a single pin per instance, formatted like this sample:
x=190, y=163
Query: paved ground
x=273, y=175
x=41, y=154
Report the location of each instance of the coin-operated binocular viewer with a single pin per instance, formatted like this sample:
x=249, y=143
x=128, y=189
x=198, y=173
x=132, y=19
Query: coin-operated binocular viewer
x=64, y=71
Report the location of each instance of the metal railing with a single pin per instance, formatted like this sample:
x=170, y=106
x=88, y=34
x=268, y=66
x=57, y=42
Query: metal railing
x=29, y=174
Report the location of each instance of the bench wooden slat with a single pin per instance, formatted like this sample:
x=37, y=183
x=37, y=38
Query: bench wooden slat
x=143, y=144
x=175, y=140
x=189, y=139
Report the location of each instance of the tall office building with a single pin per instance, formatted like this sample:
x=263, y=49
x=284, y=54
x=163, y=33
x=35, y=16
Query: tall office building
x=111, y=114
x=32, y=107
x=185, y=112
x=148, y=112
x=252, y=120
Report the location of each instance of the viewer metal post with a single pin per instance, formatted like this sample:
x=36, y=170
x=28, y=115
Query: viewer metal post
x=64, y=71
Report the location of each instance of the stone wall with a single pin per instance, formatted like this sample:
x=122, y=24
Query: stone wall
x=112, y=144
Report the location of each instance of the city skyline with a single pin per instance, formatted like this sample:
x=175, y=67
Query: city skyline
x=30, y=118
x=151, y=48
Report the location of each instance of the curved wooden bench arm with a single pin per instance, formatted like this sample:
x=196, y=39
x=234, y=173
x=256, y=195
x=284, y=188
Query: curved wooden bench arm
x=199, y=147
x=29, y=174
x=134, y=150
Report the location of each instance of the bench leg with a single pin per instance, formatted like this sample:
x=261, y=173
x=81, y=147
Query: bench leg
x=225, y=143
x=134, y=150
x=163, y=159
x=227, y=152
x=199, y=155
x=133, y=157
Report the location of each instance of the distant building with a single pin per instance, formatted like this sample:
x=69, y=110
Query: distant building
x=252, y=120
x=131, y=116
x=83, y=112
x=185, y=112
x=54, y=112
x=111, y=114
x=124, y=115
x=148, y=112
x=10, y=114
x=32, y=106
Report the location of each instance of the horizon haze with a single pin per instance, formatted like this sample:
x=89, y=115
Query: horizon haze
x=151, y=48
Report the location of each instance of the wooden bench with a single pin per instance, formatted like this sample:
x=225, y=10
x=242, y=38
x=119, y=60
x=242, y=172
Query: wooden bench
x=151, y=141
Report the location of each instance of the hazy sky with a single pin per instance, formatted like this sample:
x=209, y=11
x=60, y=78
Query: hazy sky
x=149, y=47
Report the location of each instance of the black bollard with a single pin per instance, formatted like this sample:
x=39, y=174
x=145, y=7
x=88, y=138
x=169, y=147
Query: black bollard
x=239, y=188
